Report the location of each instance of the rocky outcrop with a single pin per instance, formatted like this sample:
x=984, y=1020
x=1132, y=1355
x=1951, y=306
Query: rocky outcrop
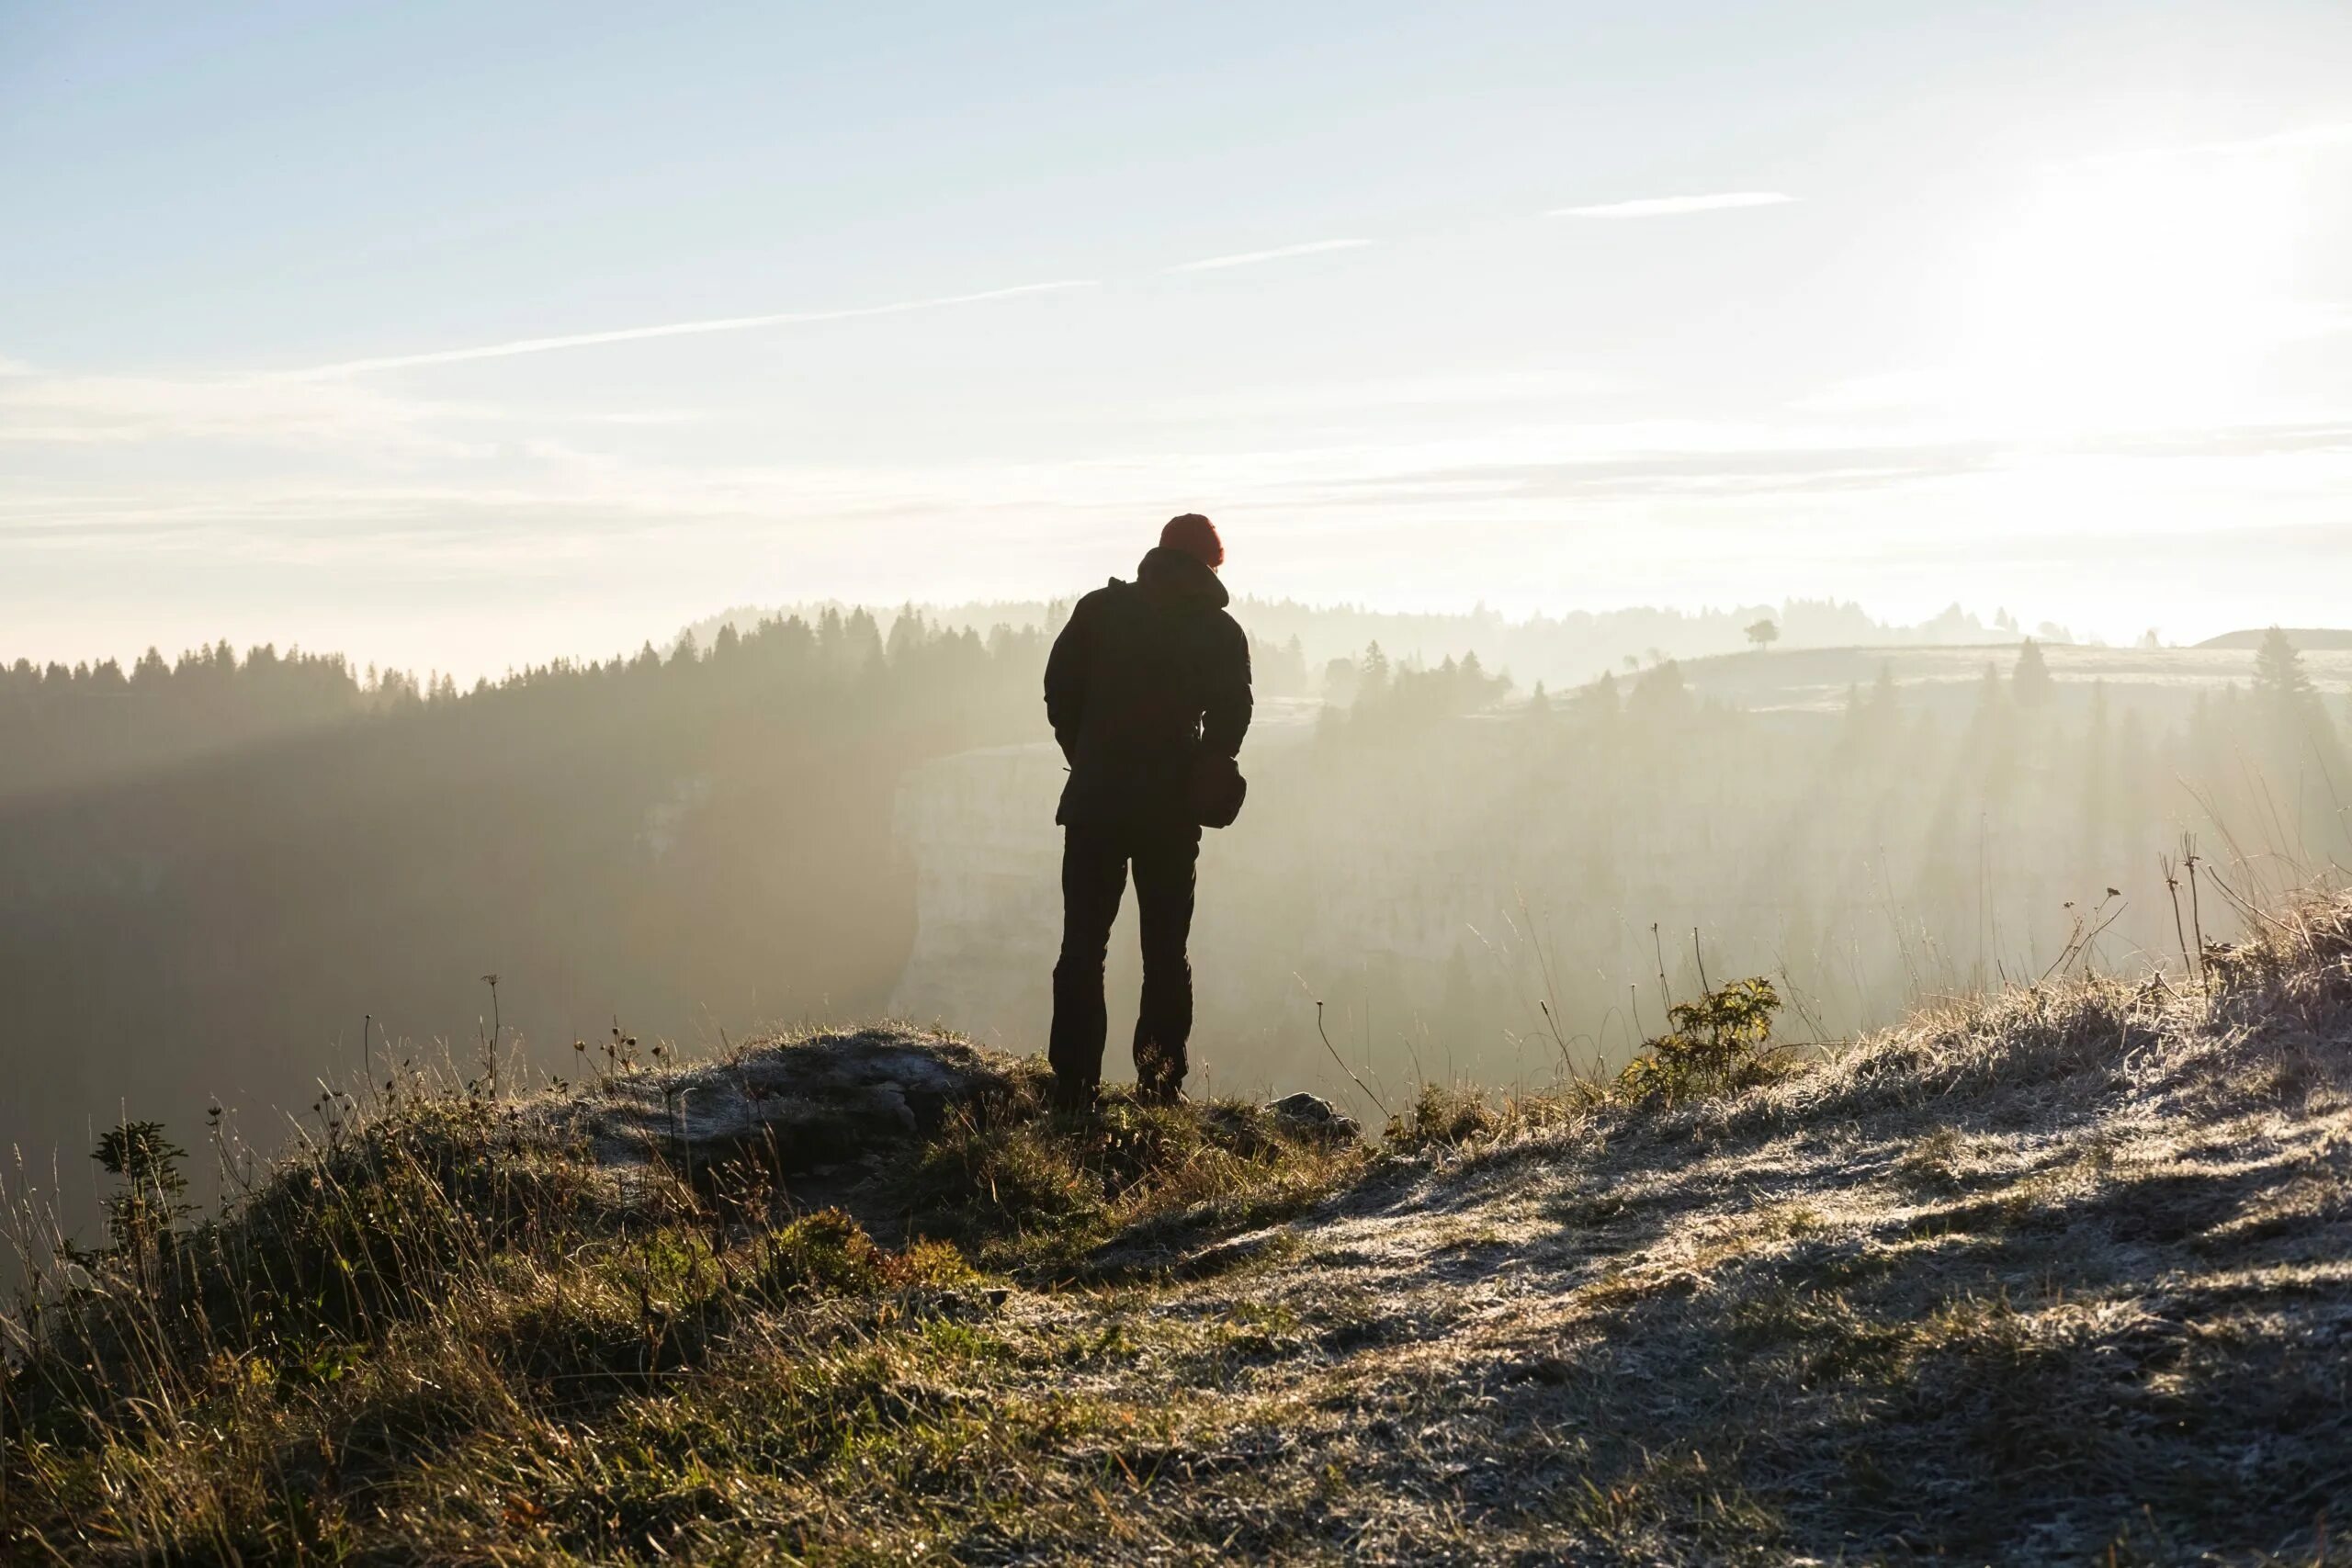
x=802, y=1106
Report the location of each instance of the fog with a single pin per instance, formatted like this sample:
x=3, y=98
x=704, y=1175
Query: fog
x=235, y=879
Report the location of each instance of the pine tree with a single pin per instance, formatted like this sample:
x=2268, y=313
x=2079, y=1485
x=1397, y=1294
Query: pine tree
x=2031, y=676
x=2302, y=751
x=153, y=1194
x=2278, y=671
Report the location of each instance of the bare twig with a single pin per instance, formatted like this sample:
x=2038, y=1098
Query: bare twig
x=1368, y=1094
x=2180, y=931
x=1665, y=997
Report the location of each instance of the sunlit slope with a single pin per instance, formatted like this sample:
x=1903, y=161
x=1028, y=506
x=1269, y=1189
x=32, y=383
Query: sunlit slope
x=2163, y=683
x=2066, y=1270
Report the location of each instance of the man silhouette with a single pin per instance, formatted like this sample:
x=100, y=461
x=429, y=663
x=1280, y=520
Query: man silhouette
x=1147, y=690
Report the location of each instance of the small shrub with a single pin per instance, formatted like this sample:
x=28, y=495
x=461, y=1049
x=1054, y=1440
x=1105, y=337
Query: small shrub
x=826, y=1251
x=830, y=1253
x=1719, y=1045
x=154, y=1197
x=928, y=1263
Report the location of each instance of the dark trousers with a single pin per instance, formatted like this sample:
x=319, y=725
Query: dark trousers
x=1094, y=877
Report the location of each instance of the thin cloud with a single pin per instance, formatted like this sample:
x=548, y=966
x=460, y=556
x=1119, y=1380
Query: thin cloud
x=670, y=329
x=1282, y=253
x=2310, y=138
x=1329, y=398
x=1674, y=206
x=47, y=410
x=2304, y=138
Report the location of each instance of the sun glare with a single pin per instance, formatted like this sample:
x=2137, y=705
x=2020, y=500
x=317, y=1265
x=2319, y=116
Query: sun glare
x=2131, y=289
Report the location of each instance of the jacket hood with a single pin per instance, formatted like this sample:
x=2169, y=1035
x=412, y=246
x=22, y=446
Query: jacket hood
x=1175, y=574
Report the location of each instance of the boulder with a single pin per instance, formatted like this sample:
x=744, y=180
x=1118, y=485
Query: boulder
x=798, y=1106
x=1311, y=1112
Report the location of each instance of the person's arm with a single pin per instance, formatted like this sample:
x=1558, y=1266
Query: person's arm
x=1066, y=673
x=1225, y=721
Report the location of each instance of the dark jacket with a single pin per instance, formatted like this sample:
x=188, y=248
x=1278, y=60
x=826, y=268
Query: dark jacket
x=1146, y=675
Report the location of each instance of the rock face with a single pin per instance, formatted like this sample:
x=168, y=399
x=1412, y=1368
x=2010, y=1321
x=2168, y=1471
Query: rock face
x=800, y=1107
x=979, y=828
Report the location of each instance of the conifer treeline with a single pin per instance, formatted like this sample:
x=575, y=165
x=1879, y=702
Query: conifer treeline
x=63, y=726
x=695, y=839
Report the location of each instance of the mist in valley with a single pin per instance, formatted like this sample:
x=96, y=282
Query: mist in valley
x=256, y=882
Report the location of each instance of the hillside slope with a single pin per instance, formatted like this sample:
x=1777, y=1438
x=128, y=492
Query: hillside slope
x=2063, y=1276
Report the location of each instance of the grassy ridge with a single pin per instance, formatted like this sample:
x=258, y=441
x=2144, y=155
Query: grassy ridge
x=421, y=1334
x=2063, y=1275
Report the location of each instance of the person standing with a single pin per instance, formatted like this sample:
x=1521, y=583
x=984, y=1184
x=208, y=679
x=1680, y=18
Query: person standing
x=1148, y=691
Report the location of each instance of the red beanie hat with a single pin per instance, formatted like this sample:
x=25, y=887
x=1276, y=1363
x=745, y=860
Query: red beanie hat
x=1196, y=536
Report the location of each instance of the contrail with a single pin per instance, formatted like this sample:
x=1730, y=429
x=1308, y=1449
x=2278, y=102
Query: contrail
x=1672, y=206
x=1250, y=258
x=671, y=329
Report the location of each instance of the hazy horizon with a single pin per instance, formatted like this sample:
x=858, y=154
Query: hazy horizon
x=469, y=338
x=1700, y=632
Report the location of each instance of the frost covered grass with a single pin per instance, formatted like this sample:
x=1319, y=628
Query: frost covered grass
x=2063, y=1275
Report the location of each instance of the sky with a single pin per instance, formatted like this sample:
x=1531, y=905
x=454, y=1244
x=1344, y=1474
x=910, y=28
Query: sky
x=459, y=336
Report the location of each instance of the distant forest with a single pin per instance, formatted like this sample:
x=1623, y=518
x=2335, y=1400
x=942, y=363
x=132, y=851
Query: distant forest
x=211, y=871
x=213, y=868
x=1296, y=643
x=1504, y=890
